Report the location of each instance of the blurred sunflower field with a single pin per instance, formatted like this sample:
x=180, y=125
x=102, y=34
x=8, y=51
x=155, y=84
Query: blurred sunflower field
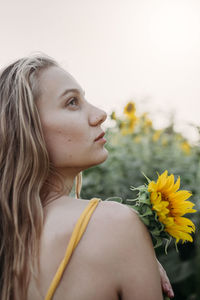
x=136, y=147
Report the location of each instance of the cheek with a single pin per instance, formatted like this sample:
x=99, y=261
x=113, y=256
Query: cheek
x=64, y=141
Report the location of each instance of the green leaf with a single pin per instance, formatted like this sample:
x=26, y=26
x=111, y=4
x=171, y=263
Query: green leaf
x=149, y=180
x=158, y=242
x=141, y=188
x=130, y=200
x=167, y=244
x=144, y=198
x=155, y=232
x=145, y=221
x=148, y=212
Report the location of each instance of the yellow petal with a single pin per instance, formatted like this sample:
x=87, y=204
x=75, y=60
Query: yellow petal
x=178, y=234
x=152, y=187
x=181, y=195
x=184, y=221
x=176, y=186
x=155, y=197
x=168, y=188
x=162, y=179
x=169, y=221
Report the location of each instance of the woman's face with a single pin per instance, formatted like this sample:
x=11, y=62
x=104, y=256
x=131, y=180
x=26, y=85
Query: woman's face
x=70, y=123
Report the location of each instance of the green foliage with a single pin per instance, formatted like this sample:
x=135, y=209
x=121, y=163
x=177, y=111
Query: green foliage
x=148, y=151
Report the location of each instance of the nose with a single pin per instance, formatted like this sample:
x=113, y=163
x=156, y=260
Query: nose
x=97, y=116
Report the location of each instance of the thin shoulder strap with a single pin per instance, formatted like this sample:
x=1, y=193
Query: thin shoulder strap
x=77, y=233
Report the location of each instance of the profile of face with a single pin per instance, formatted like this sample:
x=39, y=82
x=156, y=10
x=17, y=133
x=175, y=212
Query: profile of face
x=70, y=123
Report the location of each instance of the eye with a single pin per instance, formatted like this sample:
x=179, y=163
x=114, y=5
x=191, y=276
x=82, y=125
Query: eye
x=73, y=102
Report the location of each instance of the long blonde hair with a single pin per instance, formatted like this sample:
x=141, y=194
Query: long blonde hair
x=24, y=170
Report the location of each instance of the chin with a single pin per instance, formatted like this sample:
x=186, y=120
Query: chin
x=98, y=160
x=102, y=160
x=104, y=156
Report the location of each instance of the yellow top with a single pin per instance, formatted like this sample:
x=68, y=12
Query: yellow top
x=77, y=233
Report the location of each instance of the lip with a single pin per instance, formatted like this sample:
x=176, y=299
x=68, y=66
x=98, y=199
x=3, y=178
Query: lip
x=100, y=136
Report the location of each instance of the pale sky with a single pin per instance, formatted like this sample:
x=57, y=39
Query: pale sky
x=147, y=51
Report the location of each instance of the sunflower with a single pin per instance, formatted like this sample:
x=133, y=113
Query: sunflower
x=185, y=146
x=170, y=206
x=146, y=120
x=113, y=116
x=148, y=123
x=156, y=135
x=128, y=126
x=129, y=110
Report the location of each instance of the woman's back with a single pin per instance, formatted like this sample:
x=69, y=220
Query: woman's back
x=99, y=263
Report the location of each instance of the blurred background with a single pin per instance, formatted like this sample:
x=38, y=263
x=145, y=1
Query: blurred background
x=118, y=50
x=141, y=51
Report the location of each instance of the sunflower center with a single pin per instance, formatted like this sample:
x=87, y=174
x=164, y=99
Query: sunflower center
x=130, y=107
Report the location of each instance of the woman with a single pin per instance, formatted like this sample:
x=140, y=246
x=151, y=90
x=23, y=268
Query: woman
x=49, y=135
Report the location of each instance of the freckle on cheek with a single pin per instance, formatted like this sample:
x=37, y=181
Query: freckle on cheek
x=69, y=140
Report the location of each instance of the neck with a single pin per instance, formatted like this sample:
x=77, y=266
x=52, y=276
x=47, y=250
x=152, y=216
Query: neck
x=58, y=184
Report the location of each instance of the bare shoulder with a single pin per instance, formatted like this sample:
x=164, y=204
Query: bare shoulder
x=120, y=229
x=115, y=209
x=126, y=227
x=117, y=213
x=133, y=258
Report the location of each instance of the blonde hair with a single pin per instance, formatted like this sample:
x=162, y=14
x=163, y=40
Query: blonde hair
x=78, y=184
x=24, y=170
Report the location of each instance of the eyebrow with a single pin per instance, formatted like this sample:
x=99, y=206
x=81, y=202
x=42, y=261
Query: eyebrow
x=72, y=90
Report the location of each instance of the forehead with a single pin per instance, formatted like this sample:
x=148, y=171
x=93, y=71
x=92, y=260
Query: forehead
x=55, y=80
